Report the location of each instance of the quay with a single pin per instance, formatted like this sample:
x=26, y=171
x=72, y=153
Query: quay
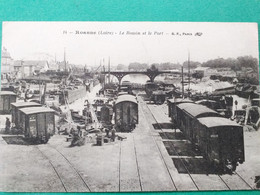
x=145, y=161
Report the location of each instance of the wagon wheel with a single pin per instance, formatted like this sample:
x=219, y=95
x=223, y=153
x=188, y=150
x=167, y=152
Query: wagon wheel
x=234, y=166
x=45, y=141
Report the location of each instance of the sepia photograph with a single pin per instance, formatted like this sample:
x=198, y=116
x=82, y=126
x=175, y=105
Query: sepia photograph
x=129, y=107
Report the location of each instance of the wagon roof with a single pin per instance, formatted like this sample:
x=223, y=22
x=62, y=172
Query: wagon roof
x=7, y=93
x=179, y=100
x=126, y=98
x=35, y=110
x=24, y=104
x=204, y=100
x=196, y=109
x=159, y=92
x=217, y=121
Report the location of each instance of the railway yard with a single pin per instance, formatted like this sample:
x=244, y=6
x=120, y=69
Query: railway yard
x=153, y=157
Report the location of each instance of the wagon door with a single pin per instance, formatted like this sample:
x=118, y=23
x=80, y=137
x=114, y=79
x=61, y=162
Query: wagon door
x=6, y=103
x=125, y=116
x=232, y=144
x=32, y=126
x=41, y=128
x=213, y=145
x=50, y=124
x=128, y=115
x=1, y=103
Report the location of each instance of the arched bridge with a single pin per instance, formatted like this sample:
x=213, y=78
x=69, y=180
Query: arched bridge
x=150, y=73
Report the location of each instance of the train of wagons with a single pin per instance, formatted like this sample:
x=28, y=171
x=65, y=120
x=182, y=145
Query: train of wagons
x=220, y=140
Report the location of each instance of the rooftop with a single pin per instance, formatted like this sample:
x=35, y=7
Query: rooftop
x=201, y=68
x=37, y=63
x=5, y=53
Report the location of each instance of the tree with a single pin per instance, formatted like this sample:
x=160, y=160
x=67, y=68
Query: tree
x=154, y=67
x=137, y=66
x=121, y=67
x=248, y=62
x=168, y=66
x=192, y=64
x=235, y=64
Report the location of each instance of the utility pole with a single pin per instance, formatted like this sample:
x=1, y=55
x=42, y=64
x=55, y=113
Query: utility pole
x=104, y=68
x=65, y=59
x=109, y=70
x=189, y=67
x=182, y=82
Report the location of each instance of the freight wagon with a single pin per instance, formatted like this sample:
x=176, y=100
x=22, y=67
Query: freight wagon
x=16, y=113
x=126, y=113
x=6, y=98
x=186, y=113
x=219, y=139
x=38, y=123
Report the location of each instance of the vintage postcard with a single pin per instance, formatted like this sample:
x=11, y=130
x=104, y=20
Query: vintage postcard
x=129, y=107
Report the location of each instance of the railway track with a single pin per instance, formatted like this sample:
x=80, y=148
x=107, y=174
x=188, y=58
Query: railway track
x=138, y=171
x=174, y=150
x=244, y=180
x=70, y=178
x=226, y=180
x=53, y=167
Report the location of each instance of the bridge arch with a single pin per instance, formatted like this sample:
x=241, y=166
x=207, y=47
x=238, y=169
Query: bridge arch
x=151, y=74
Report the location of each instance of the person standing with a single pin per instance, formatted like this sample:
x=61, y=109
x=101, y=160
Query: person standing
x=107, y=132
x=113, y=134
x=236, y=103
x=7, y=125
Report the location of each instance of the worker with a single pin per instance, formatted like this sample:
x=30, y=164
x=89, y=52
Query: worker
x=7, y=125
x=113, y=134
x=236, y=103
x=75, y=139
x=78, y=130
x=107, y=132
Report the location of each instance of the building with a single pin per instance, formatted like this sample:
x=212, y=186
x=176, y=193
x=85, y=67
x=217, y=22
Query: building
x=205, y=71
x=6, y=63
x=247, y=73
x=30, y=67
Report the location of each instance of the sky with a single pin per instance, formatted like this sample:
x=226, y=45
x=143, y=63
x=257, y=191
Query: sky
x=158, y=42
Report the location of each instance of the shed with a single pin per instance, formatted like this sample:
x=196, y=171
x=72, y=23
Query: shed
x=6, y=98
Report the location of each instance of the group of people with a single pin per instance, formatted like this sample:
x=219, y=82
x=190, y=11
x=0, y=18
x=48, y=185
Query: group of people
x=78, y=137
